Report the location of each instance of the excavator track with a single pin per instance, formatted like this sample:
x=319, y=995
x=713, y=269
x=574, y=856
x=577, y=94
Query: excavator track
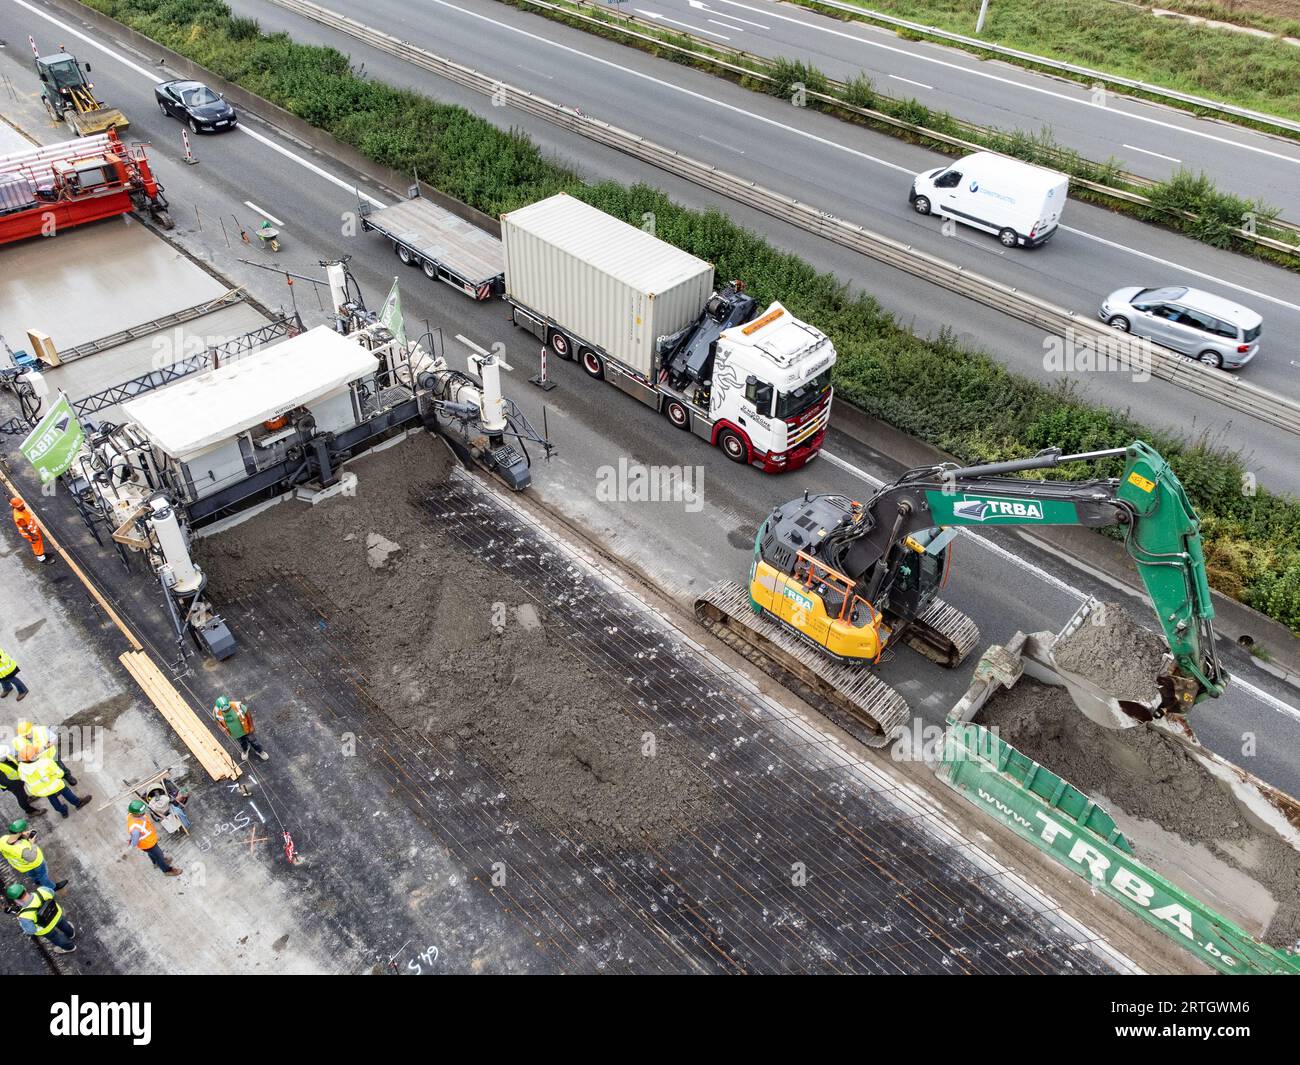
x=943, y=634
x=827, y=684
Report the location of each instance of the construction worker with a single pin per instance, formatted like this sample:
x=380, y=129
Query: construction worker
x=20, y=850
x=41, y=742
x=28, y=528
x=236, y=721
x=40, y=915
x=9, y=679
x=142, y=835
x=11, y=782
x=44, y=779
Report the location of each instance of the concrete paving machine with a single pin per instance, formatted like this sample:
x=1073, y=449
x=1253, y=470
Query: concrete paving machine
x=69, y=96
x=834, y=582
x=201, y=444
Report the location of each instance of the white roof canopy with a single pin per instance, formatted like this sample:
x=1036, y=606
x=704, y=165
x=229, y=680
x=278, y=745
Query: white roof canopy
x=194, y=414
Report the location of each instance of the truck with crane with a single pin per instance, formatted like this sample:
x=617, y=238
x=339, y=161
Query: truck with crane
x=69, y=96
x=644, y=316
x=835, y=582
x=47, y=189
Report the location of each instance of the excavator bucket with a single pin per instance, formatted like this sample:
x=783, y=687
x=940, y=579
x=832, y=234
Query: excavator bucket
x=1129, y=813
x=100, y=120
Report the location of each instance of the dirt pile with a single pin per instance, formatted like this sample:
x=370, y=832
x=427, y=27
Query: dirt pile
x=1114, y=652
x=455, y=651
x=1148, y=776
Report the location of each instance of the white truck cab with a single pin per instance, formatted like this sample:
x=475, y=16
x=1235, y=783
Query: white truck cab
x=1018, y=202
x=770, y=399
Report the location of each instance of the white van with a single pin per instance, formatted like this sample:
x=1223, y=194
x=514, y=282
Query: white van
x=1021, y=203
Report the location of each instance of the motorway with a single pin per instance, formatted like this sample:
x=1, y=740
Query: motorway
x=854, y=174
x=1146, y=138
x=1004, y=586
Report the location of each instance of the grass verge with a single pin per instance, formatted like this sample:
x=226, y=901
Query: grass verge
x=1127, y=41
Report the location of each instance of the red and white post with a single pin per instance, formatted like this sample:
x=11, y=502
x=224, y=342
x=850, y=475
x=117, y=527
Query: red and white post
x=189, y=152
x=540, y=379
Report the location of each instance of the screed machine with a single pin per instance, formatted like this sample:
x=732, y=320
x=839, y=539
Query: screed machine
x=835, y=583
x=205, y=441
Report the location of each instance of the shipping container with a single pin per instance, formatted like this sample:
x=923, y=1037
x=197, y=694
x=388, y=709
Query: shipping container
x=604, y=282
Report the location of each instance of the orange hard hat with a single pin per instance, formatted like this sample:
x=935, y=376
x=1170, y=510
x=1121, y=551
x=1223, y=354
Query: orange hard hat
x=16, y=502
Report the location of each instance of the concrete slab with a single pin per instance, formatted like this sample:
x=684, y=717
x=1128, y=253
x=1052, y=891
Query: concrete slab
x=137, y=357
x=95, y=280
x=11, y=140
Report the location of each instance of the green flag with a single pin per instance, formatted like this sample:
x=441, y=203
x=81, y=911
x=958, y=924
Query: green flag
x=391, y=316
x=54, y=443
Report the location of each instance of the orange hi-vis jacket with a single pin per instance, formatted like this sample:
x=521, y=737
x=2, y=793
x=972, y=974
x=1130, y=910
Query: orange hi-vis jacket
x=148, y=834
x=26, y=522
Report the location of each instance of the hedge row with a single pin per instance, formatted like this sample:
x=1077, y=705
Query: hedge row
x=960, y=400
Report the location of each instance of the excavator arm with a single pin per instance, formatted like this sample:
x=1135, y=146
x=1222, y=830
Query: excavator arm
x=1161, y=534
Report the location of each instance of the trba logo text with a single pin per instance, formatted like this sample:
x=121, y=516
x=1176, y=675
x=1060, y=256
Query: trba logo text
x=130, y=1019
x=983, y=509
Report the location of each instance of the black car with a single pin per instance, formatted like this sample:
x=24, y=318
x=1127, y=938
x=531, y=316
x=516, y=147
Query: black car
x=203, y=110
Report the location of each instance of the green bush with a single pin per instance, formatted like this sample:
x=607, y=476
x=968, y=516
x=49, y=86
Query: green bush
x=958, y=399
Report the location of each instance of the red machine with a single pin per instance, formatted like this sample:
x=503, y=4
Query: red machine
x=45, y=190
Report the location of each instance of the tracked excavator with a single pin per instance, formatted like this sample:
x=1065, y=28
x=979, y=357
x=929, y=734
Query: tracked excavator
x=836, y=583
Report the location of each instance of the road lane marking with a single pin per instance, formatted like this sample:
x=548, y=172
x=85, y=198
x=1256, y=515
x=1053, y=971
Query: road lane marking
x=1267, y=698
x=1185, y=269
x=261, y=138
x=1147, y=151
x=734, y=18
x=264, y=214
x=725, y=26
x=658, y=18
x=1018, y=84
x=909, y=81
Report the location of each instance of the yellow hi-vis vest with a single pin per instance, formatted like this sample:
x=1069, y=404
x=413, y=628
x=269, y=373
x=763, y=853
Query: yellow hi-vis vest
x=7, y=664
x=8, y=768
x=14, y=847
x=42, y=777
x=39, y=897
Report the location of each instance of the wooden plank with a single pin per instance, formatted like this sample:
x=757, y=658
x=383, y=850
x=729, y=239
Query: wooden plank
x=184, y=720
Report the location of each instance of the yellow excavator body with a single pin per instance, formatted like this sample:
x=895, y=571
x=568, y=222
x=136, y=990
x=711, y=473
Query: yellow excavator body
x=818, y=603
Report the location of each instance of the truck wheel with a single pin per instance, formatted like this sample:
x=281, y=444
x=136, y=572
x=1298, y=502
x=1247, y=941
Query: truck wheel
x=430, y=271
x=1008, y=238
x=921, y=205
x=592, y=364
x=733, y=446
x=406, y=257
x=559, y=344
x=678, y=414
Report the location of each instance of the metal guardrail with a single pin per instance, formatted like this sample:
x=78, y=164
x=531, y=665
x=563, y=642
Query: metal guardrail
x=1215, y=385
x=866, y=14
x=622, y=23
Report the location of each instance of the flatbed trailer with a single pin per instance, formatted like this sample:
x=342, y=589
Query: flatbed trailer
x=446, y=247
